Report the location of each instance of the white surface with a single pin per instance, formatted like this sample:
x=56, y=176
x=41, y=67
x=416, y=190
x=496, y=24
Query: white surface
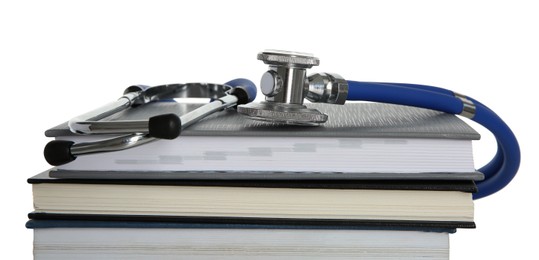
x=366, y=155
x=59, y=59
x=253, y=202
x=239, y=244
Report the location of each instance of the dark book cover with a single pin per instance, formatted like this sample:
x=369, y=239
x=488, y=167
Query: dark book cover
x=238, y=222
x=434, y=185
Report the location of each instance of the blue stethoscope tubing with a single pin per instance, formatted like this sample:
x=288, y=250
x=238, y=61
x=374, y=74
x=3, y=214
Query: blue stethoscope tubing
x=499, y=171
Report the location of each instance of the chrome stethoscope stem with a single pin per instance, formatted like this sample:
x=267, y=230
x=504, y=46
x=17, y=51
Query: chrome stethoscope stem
x=139, y=132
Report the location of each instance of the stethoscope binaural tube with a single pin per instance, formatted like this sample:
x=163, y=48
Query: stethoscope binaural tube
x=135, y=133
x=500, y=170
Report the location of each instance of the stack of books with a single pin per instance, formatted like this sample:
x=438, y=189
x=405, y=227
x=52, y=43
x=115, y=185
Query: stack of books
x=376, y=181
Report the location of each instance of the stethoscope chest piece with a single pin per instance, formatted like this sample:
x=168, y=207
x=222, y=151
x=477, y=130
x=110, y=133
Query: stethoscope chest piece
x=290, y=114
x=286, y=85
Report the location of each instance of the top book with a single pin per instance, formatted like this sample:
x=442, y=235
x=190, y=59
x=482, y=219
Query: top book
x=359, y=141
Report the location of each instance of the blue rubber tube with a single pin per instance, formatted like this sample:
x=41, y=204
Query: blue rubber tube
x=395, y=94
x=507, y=146
x=496, y=163
x=424, y=87
x=499, y=171
x=506, y=161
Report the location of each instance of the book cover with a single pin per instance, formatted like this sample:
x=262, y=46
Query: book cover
x=38, y=221
x=439, y=203
x=384, y=141
x=50, y=176
x=100, y=240
x=350, y=120
x=422, y=225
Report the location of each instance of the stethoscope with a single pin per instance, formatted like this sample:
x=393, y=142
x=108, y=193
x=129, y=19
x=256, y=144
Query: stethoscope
x=285, y=86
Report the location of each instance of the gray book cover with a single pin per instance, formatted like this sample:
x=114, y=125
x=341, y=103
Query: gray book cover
x=346, y=123
x=349, y=120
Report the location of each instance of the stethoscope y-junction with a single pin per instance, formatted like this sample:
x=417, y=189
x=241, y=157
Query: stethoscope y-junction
x=285, y=86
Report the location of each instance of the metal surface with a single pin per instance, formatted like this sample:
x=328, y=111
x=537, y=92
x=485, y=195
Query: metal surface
x=293, y=86
x=285, y=86
x=328, y=88
x=111, y=144
x=286, y=80
x=139, y=138
x=112, y=127
x=468, y=107
x=271, y=83
x=288, y=59
x=83, y=124
x=203, y=111
x=292, y=114
x=138, y=95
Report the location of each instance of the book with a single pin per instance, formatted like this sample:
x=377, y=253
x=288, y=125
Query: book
x=439, y=203
x=157, y=240
x=359, y=141
x=389, y=184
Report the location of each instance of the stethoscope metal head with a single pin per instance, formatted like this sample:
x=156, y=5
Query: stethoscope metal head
x=286, y=85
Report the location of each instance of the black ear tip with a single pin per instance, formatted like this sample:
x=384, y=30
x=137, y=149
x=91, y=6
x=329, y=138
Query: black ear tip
x=167, y=126
x=58, y=152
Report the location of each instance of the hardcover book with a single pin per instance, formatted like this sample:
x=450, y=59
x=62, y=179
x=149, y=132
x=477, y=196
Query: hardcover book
x=437, y=203
x=359, y=141
x=157, y=240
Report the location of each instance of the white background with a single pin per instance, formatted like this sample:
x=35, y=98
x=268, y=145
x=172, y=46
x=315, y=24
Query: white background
x=59, y=59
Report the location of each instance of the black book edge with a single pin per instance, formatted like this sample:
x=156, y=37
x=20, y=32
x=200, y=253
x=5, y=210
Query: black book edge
x=432, y=185
x=49, y=223
x=248, y=222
